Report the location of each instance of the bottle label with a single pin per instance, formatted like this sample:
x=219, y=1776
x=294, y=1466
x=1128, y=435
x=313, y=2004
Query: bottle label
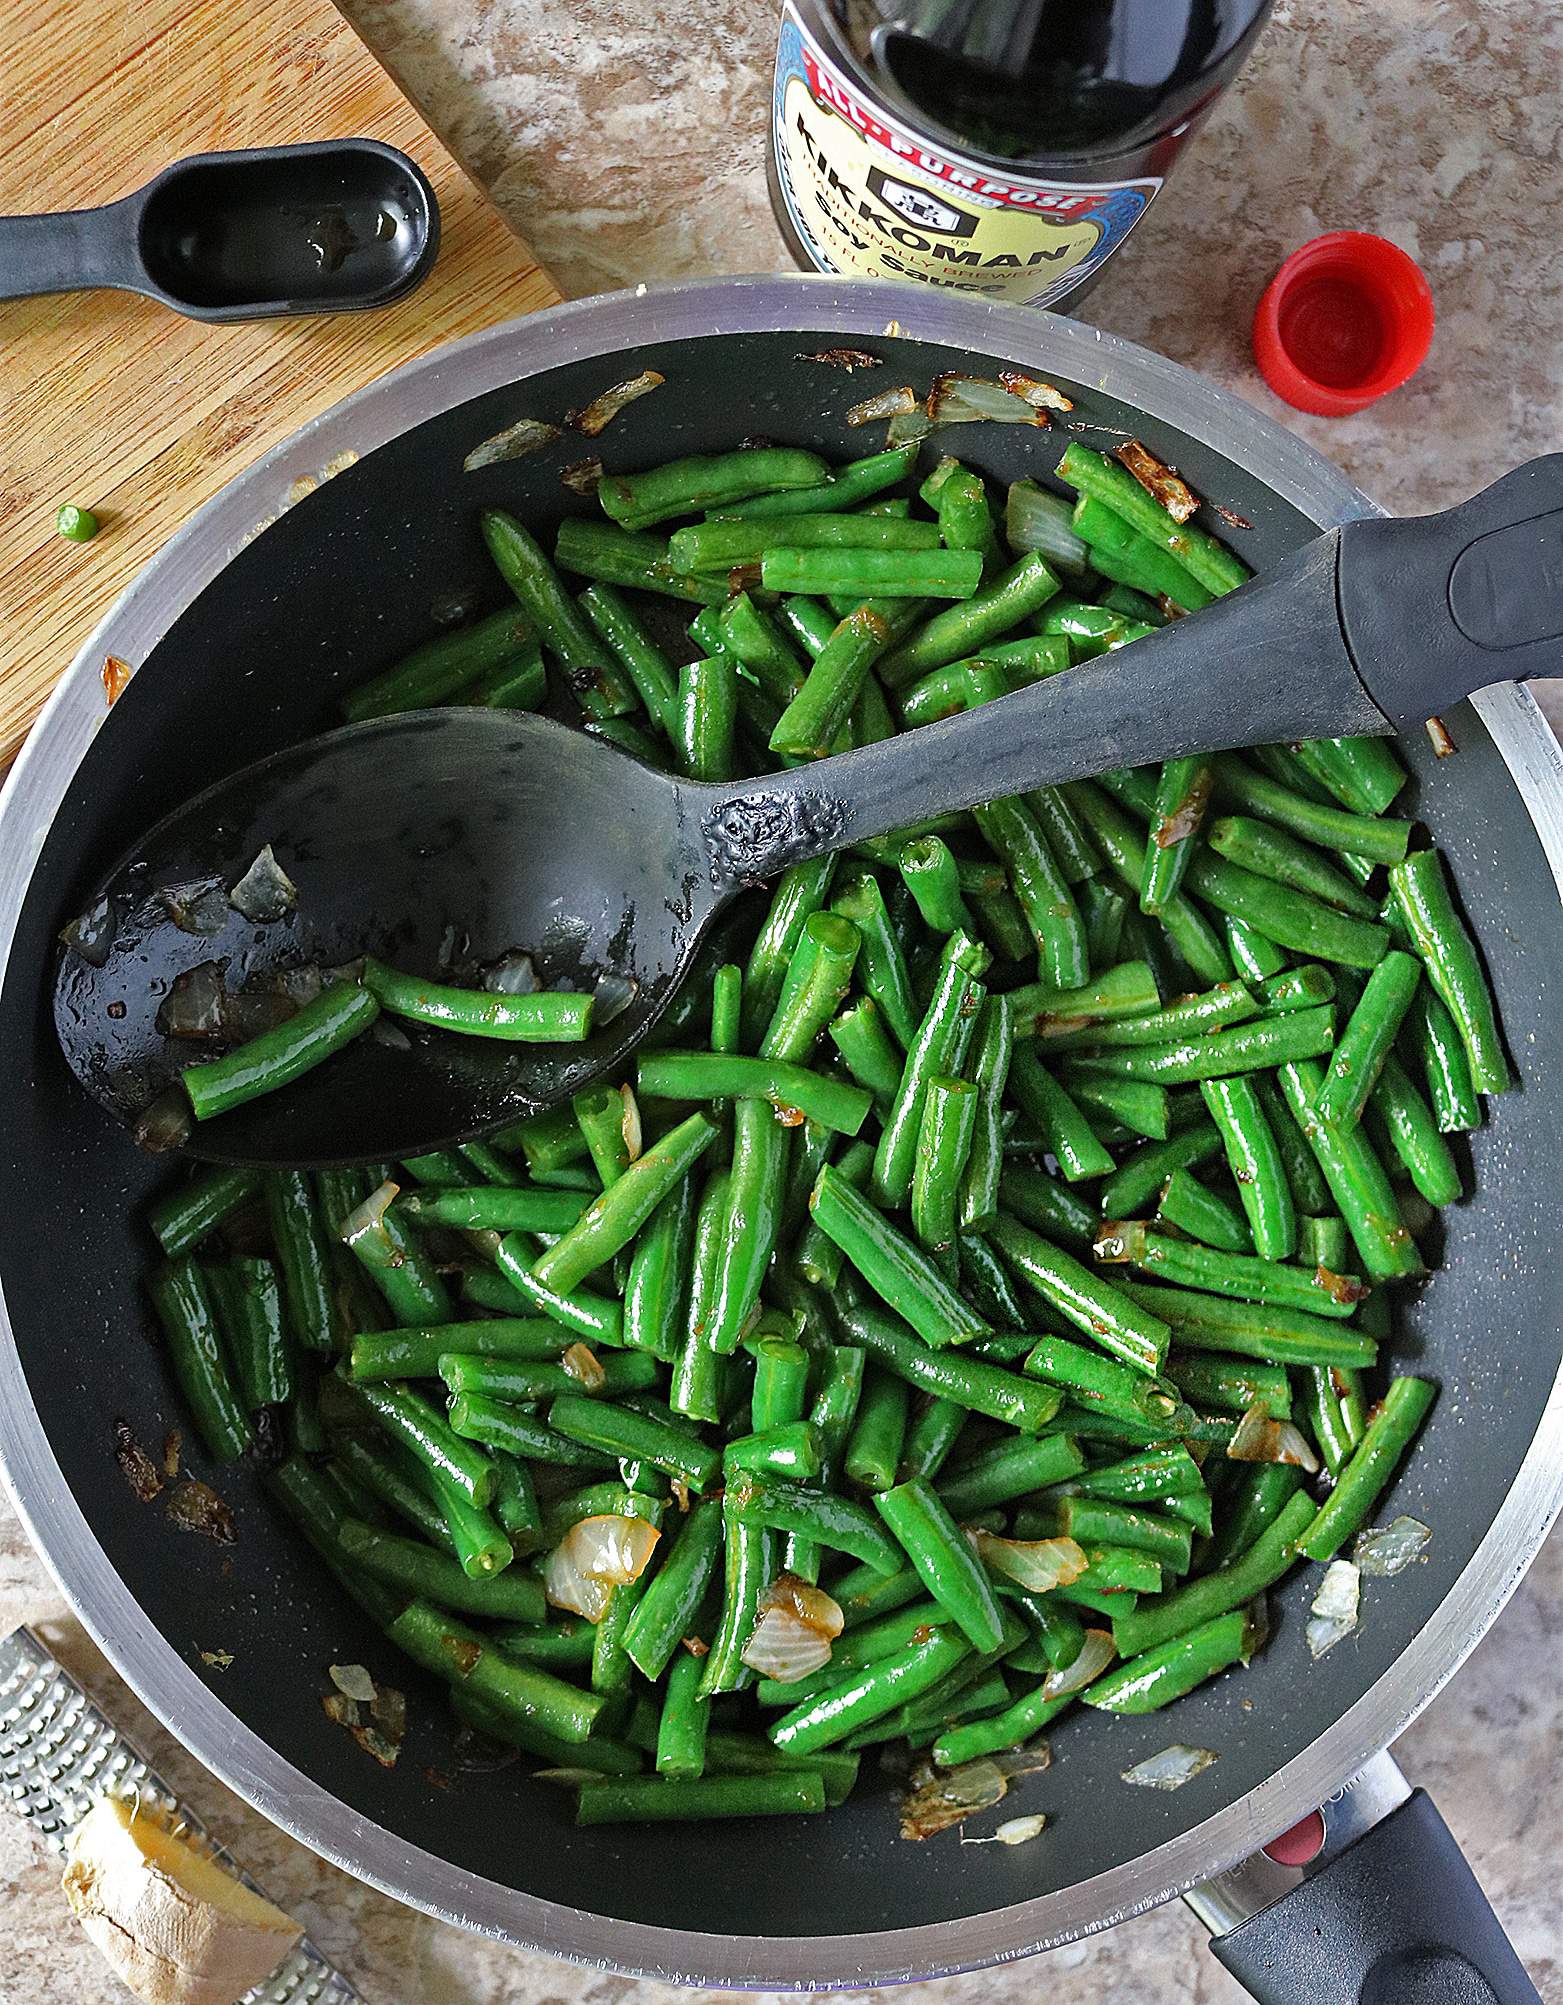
x=867, y=194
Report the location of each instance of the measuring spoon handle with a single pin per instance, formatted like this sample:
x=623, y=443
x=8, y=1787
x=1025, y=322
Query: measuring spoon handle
x=71, y=250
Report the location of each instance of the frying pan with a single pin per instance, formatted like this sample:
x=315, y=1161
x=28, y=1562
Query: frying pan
x=243, y=642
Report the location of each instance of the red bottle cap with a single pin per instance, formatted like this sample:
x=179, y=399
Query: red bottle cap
x=1347, y=318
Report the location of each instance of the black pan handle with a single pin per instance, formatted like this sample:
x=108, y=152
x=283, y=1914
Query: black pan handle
x=72, y=250
x=1372, y=627
x=1391, y=1916
x=1435, y=607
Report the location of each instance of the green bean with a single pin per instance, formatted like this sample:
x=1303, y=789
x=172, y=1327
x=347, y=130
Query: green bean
x=261, y=1356
x=1011, y=831
x=617, y=1430
x=1105, y=1313
x=684, y=486
x=946, y=691
x=936, y=1427
x=697, y=1369
x=1010, y=1469
x=958, y=994
x=958, y=1382
x=905, y=1277
x=614, y=1219
x=666, y=1611
x=1310, y=1193
x=594, y=1317
x=525, y=1381
x=946, y=1563
x=873, y=1450
x=1051, y=1207
x=341, y=1012
x=1105, y=1384
x=630, y=558
x=992, y=1054
x=1330, y=828
x=1256, y=1163
x=494, y=1208
x=1017, y=1724
x=1203, y=1214
x=1415, y=1135
x=1124, y=848
x=879, y=574
x=1244, y=1328
x=1272, y=1282
x=655, y=1286
x=1254, y=957
x=819, y=972
x=1363, y=774
x=1420, y=890
x=859, y=480
x=759, y=644
x=185, y=1310
x=1444, y=1063
x=518, y=1691
x=1367, y=1039
x=541, y=1018
x=749, y=1566
x=1373, y=1463
x=997, y=609
x=867, y=1050
x=569, y=1642
x=880, y=967
x=705, y=714
x=1119, y=551
x=1139, y=1105
x=1356, y=1181
x=929, y=872
x=791, y=1450
x=596, y=680
x=395, y=1261
x=944, y=1146
x=1258, y=1045
x=1218, y=1385
x=1224, y=1005
x=186, y=1216
x=648, y=1799
x=444, y=667
x=497, y=1423
x=1135, y=1183
x=621, y=630
x=800, y=891
x=809, y=725
x=965, y=519
x=1182, y=794
x=1272, y=852
x=550, y=1141
x=1156, y=1677
x=681, y=1735
x=1327, y=1420
x=1202, y=1600
x=1066, y=1133
x=867, y=1695
x=417, y=1570
x=1094, y=475
x=1290, y=918
x=725, y=543
x=1323, y=1242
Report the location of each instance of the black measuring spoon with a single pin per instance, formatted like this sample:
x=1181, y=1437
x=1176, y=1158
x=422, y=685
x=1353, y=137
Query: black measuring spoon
x=333, y=226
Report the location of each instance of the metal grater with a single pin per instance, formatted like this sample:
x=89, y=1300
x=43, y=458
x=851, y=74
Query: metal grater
x=58, y=1753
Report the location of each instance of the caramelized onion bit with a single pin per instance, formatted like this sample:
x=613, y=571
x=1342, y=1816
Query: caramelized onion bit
x=135, y=1464
x=581, y=476
x=1390, y=1549
x=583, y=1366
x=1259, y=1438
x=938, y=1799
x=1167, y=487
x=844, y=358
x=1443, y=745
x=196, y=908
x=630, y=1124
x=1013, y=1831
x=1333, y=1615
x=1096, y=1653
x=1045, y=396
x=1171, y=1768
x=595, y=1556
x=91, y=933
x=606, y=406
x=954, y=399
x=897, y=403
x=1119, y=1240
x=265, y=893
x=797, y=1625
x=526, y=435
x=1035, y=1564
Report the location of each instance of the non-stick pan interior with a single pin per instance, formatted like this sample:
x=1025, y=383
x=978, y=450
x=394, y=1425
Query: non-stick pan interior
x=335, y=589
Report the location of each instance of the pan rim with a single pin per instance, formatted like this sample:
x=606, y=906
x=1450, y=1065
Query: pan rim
x=153, y=1668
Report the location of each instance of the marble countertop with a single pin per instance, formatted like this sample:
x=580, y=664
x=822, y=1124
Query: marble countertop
x=625, y=140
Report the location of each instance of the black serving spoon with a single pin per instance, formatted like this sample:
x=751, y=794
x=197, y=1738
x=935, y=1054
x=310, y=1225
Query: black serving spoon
x=329, y=227
x=465, y=833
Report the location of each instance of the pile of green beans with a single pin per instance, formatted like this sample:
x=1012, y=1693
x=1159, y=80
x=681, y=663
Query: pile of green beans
x=924, y=1272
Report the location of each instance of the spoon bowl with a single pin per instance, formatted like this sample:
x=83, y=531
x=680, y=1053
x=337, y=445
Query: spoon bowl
x=540, y=838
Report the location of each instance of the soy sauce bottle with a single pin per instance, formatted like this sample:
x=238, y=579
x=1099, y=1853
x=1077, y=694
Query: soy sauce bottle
x=1004, y=147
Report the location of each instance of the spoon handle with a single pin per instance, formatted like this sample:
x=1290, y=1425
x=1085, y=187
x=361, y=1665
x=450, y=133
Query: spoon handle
x=69, y=251
x=1365, y=630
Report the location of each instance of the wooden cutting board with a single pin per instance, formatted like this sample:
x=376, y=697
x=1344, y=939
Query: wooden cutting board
x=117, y=404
